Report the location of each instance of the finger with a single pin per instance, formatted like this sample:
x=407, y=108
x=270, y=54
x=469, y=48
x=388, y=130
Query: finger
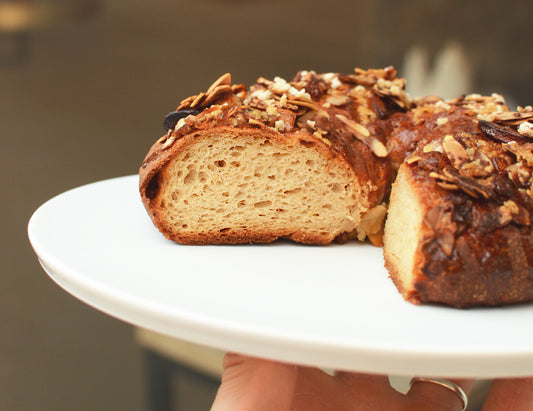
x=512, y=394
x=424, y=395
x=255, y=384
x=319, y=391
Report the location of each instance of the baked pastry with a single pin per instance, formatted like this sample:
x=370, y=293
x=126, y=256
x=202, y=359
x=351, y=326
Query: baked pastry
x=304, y=160
x=313, y=160
x=458, y=230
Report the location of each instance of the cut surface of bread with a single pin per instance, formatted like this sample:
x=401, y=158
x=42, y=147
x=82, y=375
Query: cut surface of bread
x=403, y=233
x=228, y=186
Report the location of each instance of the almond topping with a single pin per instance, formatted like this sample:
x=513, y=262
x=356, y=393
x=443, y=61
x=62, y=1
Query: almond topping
x=362, y=130
x=197, y=100
x=362, y=134
x=224, y=80
x=168, y=143
x=455, y=151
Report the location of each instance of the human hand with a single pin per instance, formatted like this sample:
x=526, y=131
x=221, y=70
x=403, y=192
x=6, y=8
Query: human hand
x=252, y=384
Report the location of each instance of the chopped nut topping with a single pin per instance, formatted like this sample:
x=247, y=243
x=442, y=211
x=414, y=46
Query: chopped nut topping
x=441, y=121
x=272, y=110
x=526, y=129
x=279, y=125
x=280, y=86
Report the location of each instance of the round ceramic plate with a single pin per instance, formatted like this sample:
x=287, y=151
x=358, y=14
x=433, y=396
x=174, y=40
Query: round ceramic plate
x=329, y=306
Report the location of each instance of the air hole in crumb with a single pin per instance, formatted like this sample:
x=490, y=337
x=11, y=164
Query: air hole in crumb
x=293, y=191
x=310, y=163
x=220, y=163
x=235, y=164
x=190, y=177
x=335, y=187
x=261, y=204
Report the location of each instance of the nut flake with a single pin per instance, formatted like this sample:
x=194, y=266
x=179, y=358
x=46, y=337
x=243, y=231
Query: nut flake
x=455, y=151
x=433, y=146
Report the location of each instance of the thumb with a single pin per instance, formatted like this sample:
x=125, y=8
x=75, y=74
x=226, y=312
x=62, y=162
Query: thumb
x=254, y=384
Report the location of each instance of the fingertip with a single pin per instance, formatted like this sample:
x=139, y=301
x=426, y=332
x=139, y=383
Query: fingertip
x=510, y=394
x=255, y=384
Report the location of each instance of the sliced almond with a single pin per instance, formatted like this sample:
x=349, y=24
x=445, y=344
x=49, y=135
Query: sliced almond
x=223, y=80
x=303, y=103
x=358, y=128
x=197, y=100
x=216, y=93
x=455, y=151
x=362, y=134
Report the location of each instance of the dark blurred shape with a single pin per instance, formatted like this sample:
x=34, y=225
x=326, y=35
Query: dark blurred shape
x=19, y=17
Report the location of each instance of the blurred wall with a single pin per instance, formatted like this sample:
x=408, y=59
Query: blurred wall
x=89, y=101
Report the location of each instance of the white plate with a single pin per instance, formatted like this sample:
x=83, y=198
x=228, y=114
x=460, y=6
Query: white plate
x=328, y=306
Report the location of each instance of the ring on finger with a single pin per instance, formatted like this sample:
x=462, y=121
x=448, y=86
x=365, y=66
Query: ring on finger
x=446, y=384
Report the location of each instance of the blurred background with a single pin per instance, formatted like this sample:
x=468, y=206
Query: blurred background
x=84, y=87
